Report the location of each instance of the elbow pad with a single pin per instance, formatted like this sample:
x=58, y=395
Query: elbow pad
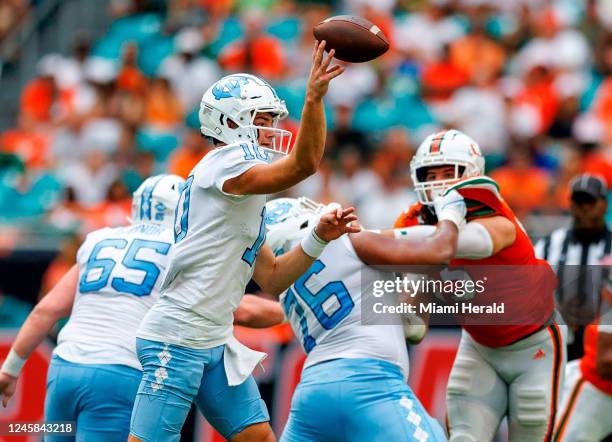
x=474, y=242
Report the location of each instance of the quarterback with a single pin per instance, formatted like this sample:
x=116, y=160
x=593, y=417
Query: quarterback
x=353, y=386
x=510, y=369
x=185, y=342
x=94, y=372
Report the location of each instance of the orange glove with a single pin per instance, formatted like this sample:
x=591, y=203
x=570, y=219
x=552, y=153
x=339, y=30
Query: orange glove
x=409, y=217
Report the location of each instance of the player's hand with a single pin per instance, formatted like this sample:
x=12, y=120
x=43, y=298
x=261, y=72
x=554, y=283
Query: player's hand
x=320, y=72
x=450, y=207
x=334, y=224
x=8, y=384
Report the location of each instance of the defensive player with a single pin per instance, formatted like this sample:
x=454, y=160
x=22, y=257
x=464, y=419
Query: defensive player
x=584, y=414
x=186, y=340
x=353, y=386
x=512, y=369
x=94, y=372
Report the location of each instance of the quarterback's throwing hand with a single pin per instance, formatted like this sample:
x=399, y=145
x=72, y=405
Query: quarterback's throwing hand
x=334, y=224
x=7, y=387
x=320, y=73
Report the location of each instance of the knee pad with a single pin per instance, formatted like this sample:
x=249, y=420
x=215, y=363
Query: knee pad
x=532, y=406
x=462, y=374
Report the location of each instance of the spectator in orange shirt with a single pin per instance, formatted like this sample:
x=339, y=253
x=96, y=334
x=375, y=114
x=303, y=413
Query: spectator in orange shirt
x=29, y=145
x=163, y=110
x=478, y=55
x=257, y=52
x=524, y=186
x=540, y=95
x=113, y=211
x=130, y=76
x=185, y=158
x=597, y=163
x=441, y=78
x=41, y=92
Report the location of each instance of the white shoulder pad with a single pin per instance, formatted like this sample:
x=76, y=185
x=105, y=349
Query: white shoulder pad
x=229, y=162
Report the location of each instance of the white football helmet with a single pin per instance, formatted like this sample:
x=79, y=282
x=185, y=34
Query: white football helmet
x=444, y=148
x=238, y=98
x=288, y=220
x=155, y=200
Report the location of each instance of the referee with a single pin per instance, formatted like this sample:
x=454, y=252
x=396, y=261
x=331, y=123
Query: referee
x=575, y=253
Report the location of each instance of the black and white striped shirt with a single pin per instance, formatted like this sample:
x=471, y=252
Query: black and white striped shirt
x=576, y=262
x=562, y=248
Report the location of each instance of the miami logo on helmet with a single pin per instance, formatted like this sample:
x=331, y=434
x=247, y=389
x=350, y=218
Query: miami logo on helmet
x=229, y=87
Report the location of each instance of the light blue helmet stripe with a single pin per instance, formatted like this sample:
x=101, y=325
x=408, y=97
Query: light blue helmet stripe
x=147, y=194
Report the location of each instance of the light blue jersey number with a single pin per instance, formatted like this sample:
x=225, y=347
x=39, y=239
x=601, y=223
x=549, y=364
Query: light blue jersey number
x=129, y=261
x=252, y=151
x=181, y=213
x=315, y=302
x=250, y=253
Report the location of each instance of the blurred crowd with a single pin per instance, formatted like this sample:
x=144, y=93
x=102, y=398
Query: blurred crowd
x=530, y=80
x=12, y=13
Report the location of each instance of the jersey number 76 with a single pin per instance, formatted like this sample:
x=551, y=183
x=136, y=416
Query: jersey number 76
x=316, y=301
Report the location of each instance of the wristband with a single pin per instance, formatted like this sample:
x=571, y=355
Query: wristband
x=312, y=245
x=13, y=364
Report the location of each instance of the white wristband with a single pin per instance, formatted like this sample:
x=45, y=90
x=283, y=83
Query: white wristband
x=313, y=245
x=13, y=364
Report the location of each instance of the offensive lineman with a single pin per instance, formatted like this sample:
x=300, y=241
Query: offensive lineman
x=186, y=340
x=94, y=373
x=511, y=370
x=353, y=385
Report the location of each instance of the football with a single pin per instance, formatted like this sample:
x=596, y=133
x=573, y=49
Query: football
x=355, y=39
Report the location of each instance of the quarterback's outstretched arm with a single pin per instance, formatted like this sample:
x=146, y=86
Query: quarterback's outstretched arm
x=55, y=305
x=306, y=155
x=275, y=274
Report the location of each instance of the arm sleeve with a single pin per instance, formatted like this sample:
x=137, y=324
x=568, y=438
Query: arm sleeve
x=230, y=162
x=474, y=240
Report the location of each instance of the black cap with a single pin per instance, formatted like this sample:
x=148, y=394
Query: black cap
x=593, y=186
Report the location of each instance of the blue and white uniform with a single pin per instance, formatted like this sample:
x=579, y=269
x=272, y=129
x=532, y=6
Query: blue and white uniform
x=353, y=386
x=95, y=373
x=186, y=343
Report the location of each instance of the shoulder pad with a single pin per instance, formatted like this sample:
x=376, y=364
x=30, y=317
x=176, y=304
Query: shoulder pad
x=481, y=195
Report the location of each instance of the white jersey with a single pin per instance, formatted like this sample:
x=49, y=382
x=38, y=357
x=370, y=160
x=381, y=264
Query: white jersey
x=217, y=238
x=324, y=308
x=119, y=278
